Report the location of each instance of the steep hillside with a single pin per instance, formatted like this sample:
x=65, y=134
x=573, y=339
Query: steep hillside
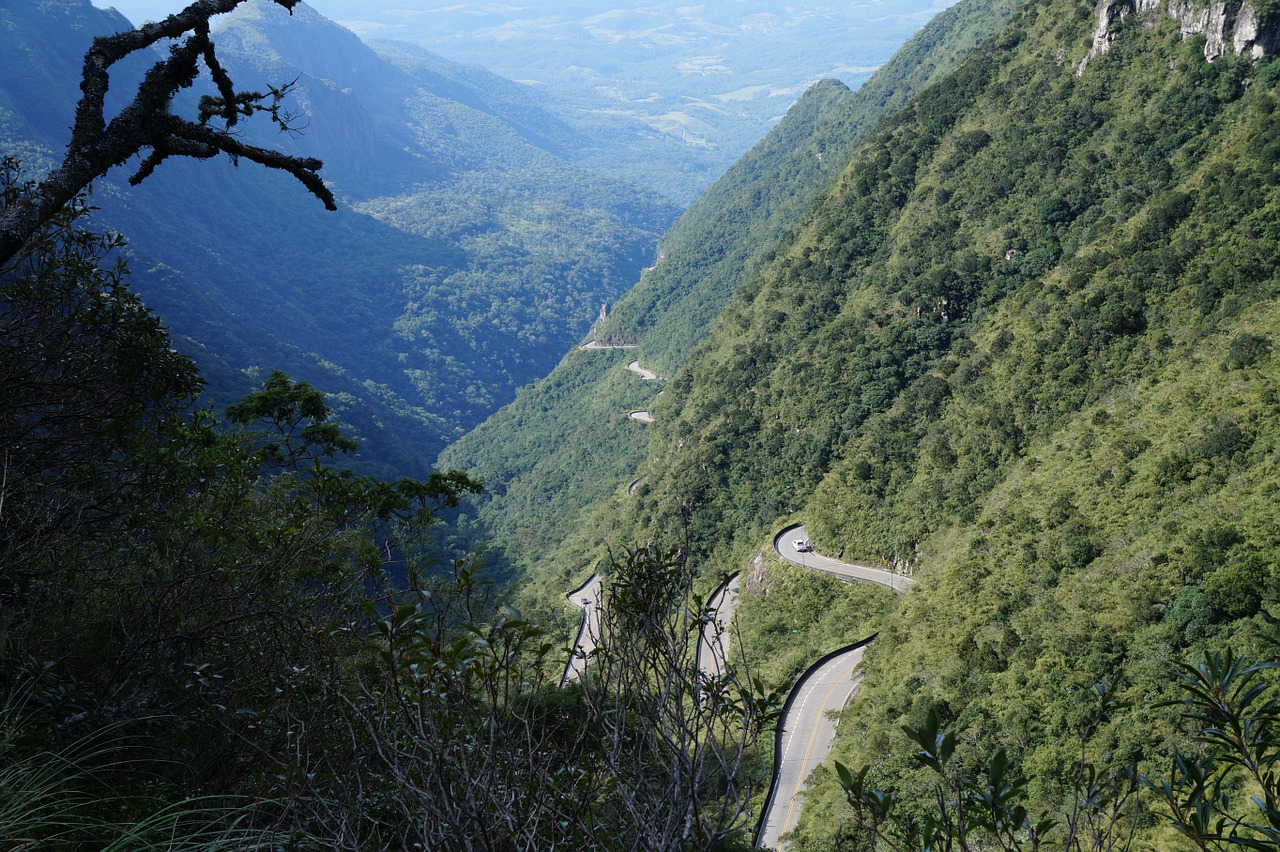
x=536, y=243
x=554, y=457
x=712, y=249
x=1023, y=346
x=467, y=254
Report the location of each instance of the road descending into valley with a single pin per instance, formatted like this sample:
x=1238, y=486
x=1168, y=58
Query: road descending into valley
x=713, y=646
x=784, y=544
x=713, y=642
x=647, y=375
x=593, y=345
x=806, y=729
x=634, y=366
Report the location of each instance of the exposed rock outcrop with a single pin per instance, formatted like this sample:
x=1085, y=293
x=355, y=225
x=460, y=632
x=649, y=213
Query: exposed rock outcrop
x=1234, y=25
x=753, y=579
x=1249, y=36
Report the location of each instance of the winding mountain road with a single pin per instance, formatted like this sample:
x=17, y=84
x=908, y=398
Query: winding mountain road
x=647, y=375
x=587, y=598
x=808, y=725
x=784, y=544
x=594, y=345
x=807, y=728
x=713, y=650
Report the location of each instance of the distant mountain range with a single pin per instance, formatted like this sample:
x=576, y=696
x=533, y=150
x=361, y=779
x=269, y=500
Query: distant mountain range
x=674, y=92
x=468, y=254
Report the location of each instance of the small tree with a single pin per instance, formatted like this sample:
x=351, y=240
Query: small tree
x=1235, y=717
x=148, y=124
x=681, y=748
x=451, y=734
x=88, y=377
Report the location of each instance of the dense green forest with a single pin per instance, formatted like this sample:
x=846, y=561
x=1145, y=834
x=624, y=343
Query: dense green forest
x=554, y=460
x=468, y=252
x=213, y=635
x=1023, y=342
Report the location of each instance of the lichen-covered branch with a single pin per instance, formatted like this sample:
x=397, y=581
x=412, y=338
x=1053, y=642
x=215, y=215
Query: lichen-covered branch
x=148, y=123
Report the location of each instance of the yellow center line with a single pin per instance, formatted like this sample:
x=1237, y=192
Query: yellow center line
x=812, y=737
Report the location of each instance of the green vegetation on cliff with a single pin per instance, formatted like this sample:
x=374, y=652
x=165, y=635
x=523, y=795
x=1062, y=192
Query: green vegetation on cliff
x=548, y=434
x=1024, y=343
x=719, y=242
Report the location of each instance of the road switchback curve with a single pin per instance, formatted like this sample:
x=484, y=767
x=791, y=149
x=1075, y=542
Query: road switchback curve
x=804, y=737
x=713, y=640
x=807, y=727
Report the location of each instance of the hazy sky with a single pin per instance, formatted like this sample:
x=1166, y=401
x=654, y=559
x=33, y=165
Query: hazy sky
x=139, y=11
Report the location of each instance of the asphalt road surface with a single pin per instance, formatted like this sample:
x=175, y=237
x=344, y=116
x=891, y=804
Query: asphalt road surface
x=808, y=730
x=647, y=375
x=587, y=598
x=808, y=724
x=594, y=345
x=784, y=543
x=642, y=416
x=713, y=643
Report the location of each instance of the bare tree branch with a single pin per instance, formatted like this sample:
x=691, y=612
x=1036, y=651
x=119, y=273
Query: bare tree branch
x=97, y=146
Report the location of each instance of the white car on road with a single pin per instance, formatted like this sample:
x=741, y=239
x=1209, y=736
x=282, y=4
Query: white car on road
x=802, y=545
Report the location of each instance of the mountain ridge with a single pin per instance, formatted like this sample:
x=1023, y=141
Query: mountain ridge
x=463, y=227
x=542, y=485
x=1024, y=343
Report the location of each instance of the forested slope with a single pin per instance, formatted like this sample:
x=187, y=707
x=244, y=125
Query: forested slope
x=571, y=429
x=713, y=248
x=467, y=253
x=1025, y=344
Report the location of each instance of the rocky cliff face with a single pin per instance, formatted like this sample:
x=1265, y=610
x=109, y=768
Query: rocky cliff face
x=1227, y=26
